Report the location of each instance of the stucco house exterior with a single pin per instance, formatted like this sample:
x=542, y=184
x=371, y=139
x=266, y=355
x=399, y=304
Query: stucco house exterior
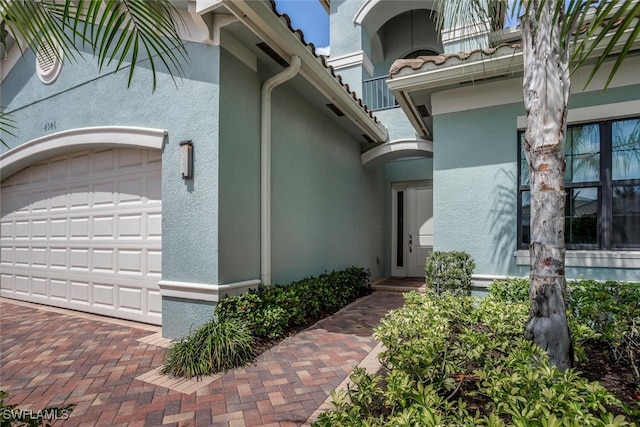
x=267, y=163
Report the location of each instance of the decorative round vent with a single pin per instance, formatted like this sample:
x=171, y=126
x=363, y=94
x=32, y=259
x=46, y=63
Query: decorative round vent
x=48, y=62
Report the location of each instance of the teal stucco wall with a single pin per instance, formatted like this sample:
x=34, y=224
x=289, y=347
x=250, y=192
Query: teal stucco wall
x=474, y=193
x=326, y=207
x=475, y=184
x=239, y=198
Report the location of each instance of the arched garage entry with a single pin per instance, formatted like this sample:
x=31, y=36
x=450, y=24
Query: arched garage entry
x=81, y=222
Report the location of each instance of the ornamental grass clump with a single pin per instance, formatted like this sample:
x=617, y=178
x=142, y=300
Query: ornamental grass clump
x=217, y=346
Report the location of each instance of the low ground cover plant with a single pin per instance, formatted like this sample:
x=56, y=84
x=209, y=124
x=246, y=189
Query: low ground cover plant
x=245, y=324
x=605, y=314
x=462, y=361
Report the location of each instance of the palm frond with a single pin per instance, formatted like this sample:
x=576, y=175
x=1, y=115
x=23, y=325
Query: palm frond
x=6, y=123
x=115, y=30
x=620, y=26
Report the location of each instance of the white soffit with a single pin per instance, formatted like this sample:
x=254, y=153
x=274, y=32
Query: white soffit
x=396, y=150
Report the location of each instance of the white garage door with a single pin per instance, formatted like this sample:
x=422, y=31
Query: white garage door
x=83, y=231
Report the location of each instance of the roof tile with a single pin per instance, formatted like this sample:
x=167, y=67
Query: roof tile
x=322, y=59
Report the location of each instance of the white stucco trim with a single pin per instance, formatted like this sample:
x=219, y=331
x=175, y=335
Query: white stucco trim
x=364, y=10
x=597, y=259
x=482, y=281
x=352, y=59
x=14, y=54
x=396, y=150
x=597, y=112
x=203, y=291
x=79, y=139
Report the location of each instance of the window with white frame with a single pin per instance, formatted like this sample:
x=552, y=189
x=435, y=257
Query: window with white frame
x=602, y=183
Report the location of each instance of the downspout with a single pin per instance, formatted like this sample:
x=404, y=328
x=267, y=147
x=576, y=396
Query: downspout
x=265, y=166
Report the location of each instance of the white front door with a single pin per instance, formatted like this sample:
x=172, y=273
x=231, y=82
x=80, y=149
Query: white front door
x=412, y=227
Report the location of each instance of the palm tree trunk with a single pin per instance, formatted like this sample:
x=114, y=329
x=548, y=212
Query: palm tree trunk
x=546, y=95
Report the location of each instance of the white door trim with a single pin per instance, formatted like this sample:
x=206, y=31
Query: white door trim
x=396, y=187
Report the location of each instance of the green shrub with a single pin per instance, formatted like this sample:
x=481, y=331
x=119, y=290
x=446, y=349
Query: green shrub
x=449, y=272
x=461, y=361
x=513, y=289
x=612, y=311
x=270, y=311
x=217, y=346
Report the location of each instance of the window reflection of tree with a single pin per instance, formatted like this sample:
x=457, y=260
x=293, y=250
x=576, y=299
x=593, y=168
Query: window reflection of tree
x=602, y=182
x=626, y=149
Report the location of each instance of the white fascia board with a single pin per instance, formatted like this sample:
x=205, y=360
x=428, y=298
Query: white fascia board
x=459, y=73
x=203, y=6
x=493, y=66
x=258, y=16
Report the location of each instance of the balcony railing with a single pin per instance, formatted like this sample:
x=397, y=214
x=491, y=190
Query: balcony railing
x=377, y=95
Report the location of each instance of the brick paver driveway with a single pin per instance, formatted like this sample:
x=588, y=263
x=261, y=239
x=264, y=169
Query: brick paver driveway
x=51, y=358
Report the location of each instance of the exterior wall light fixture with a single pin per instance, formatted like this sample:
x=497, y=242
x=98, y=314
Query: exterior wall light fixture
x=186, y=159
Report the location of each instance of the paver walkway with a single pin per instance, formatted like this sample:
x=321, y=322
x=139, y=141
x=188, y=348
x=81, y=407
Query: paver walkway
x=51, y=358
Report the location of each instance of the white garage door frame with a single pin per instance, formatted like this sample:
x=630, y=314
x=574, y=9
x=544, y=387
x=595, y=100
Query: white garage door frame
x=76, y=141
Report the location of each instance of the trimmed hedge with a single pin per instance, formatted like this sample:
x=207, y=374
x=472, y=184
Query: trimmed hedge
x=449, y=272
x=270, y=311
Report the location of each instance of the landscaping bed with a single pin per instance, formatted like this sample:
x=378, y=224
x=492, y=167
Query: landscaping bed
x=246, y=325
x=459, y=361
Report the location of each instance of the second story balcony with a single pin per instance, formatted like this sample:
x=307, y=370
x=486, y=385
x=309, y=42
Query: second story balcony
x=377, y=95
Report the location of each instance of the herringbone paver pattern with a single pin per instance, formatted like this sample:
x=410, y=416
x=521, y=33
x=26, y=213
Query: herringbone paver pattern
x=50, y=358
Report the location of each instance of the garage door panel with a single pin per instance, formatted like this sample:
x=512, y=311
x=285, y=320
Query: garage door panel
x=21, y=230
x=130, y=262
x=58, y=289
x=39, y=172
x=103, y=160
x=39, y=286
x=154, y=224
x=80, y=164
x=83, y=231
x=154, y=263
x=58, y=199
x=78, y=228
x=104, y=295
x=58, y=229
x=22, y=284
x=39, y=229
x=79, y=292
x=39, y=201
x=39, y=257
x=21, y=257
x=79, y=197
x=129, y=157
x=130, y=191
x=155, y=301
x=130, y=298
